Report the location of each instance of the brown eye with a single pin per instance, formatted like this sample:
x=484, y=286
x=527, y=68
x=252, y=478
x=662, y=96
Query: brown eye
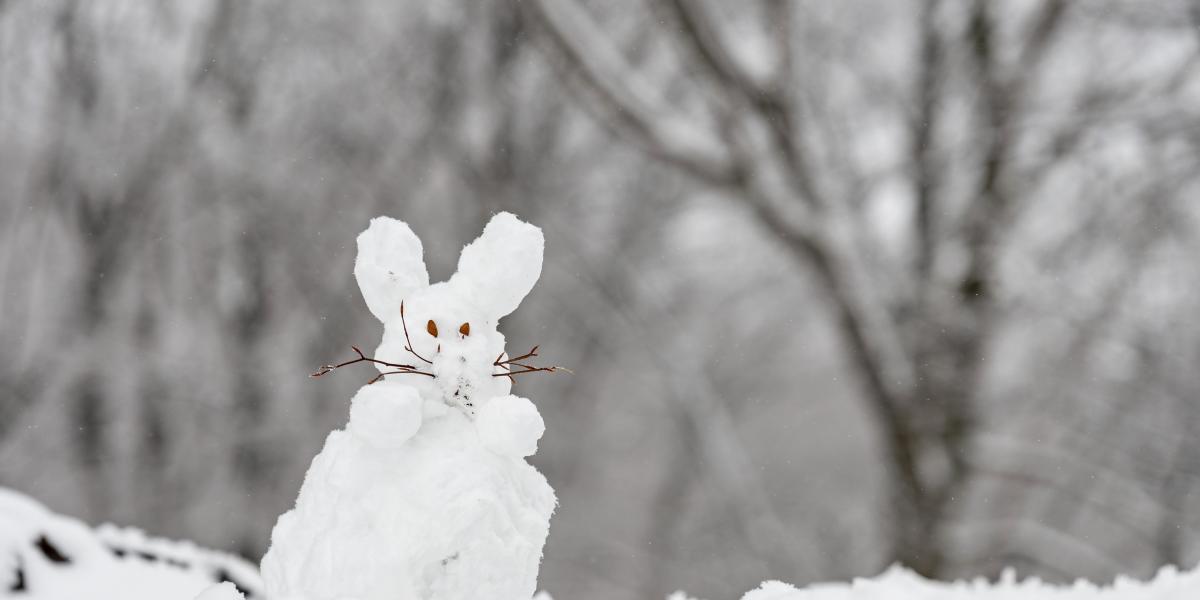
x=431, y=327
x=465, y=329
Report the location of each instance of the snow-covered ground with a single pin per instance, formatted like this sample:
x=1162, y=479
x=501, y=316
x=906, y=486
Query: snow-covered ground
x=110, y=563
x=901, y=584
x=44, y=556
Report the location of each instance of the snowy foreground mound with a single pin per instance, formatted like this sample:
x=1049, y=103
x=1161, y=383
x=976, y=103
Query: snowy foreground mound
x=426, y=493
x=44, y=556
x=901, y=584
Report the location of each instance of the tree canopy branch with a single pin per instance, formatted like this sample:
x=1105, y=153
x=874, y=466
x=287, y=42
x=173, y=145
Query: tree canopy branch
x=629, y=99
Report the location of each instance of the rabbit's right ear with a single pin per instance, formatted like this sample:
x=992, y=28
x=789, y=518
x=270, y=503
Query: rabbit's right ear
x=389, y=267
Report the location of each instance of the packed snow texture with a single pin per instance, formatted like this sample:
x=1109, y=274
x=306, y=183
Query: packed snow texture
x=221, y=591
x=902, y=584
x=44, y=556
x=426, y=493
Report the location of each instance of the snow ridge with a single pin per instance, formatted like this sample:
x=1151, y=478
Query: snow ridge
x=901, y=584
x=44, y=556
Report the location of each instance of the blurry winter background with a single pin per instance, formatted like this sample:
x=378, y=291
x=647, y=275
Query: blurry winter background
x=842, y=283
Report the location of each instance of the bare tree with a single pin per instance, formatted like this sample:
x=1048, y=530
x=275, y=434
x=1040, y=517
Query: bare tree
x=990, y=196
x=918, y=323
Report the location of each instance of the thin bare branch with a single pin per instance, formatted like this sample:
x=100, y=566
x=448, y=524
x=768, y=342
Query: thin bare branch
x=532, y=353
x=508, y=365
x=407, y=340
x=400, y=368
x=712, y=50
x=924, y=125
x=616, y=85
x=1045, y=26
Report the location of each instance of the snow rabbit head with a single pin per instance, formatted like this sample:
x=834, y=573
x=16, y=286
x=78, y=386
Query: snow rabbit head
x=448, y=330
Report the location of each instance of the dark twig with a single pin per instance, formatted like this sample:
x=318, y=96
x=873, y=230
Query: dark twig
x=532, y=353
x=380, y=376
x=361, y=358
x=507, y=365
x=400, y=368
x=533, y=370
x=500, y=364
x=407, y=340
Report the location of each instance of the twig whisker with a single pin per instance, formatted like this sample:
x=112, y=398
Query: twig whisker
x=408, y=340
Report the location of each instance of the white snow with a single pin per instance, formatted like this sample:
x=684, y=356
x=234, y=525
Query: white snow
x=425, y=493
x=221, y=591
x=901, y=584
x=500, y=267
x=390, y=262
x=510, y=426
x=386, y=414
x=51, y=557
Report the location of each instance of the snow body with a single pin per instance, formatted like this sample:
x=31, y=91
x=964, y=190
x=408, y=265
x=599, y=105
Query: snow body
x=426, y=493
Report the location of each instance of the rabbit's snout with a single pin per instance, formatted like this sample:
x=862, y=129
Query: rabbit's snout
x=460, y=368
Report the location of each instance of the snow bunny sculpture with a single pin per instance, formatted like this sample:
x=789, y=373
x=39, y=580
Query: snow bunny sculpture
x=426, y=494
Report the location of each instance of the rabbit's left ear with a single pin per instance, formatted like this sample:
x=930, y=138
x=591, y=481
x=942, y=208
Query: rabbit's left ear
x=499, y=268
x=389, y=267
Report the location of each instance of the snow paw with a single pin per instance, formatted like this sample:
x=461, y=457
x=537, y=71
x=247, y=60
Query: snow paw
x=510, y=426
x=385, y=414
